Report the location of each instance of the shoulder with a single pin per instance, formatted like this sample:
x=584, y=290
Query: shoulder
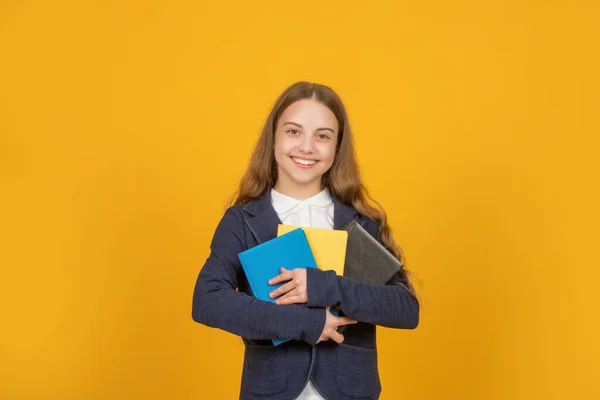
x=229, y=230
x=347, y=212
x=369, y=224
x=231, y=219
x=232, y=214
x=235, y=210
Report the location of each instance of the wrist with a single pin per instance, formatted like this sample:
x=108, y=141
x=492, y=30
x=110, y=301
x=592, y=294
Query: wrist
x=320, y=287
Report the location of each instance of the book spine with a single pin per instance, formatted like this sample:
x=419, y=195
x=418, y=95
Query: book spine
x=241, y=257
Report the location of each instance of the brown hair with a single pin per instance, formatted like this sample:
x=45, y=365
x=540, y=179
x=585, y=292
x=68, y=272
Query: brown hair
x=342, y=179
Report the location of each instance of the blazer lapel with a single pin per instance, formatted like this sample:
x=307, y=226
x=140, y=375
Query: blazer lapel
x=264, y=220
x=342, y=213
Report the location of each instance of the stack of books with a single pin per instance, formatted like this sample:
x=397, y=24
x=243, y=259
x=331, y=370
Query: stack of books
x=351, y=252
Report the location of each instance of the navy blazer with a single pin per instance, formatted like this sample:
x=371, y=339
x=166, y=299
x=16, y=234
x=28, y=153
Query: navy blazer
x=223, y=299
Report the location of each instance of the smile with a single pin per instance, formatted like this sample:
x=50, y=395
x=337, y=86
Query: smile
x=300, y=162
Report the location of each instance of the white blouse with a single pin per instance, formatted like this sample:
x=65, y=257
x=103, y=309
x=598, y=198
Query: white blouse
x=315, y=212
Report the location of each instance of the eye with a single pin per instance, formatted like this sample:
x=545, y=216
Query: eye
x=293, y=131
x=323, y=136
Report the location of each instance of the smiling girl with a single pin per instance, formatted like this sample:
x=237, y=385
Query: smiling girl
x=303, y=172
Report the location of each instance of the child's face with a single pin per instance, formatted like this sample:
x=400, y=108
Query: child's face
x=305, y=140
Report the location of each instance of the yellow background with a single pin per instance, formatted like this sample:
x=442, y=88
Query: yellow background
x=125, y=125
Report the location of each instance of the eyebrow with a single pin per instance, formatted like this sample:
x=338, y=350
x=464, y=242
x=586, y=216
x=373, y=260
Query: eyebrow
x=300, y=126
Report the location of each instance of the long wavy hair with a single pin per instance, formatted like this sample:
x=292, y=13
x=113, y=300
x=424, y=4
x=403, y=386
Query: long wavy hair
x=343, y=178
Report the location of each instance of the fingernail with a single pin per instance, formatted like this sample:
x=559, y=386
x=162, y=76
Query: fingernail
x=271, y=295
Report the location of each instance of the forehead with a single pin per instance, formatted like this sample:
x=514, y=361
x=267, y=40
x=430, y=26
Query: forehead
x=309, y=113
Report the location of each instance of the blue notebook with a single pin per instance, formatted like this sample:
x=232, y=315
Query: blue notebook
x=263, y=262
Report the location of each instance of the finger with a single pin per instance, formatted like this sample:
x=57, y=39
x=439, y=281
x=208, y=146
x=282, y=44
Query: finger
x=346, y=321
x=282, y=289
x=290, y=299
x=322, y=339
x=283, y=277
x=286, y=296
x=336, y=336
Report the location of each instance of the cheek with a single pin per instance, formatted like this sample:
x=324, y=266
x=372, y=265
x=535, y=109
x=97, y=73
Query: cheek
x=281, y=151
x=328, y=154
x=282, y=145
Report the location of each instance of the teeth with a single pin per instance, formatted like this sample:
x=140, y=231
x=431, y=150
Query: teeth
x=304, y=162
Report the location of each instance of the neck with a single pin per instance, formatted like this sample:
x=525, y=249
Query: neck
x=298, y=191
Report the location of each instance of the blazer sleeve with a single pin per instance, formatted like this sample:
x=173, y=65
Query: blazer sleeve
x=391, y=305
x=217, y=303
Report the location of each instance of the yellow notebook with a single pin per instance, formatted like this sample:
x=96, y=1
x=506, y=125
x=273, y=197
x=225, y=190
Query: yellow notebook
x=328, y=246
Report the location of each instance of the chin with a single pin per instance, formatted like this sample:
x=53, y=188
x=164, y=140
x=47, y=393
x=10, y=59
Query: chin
x=302, y=179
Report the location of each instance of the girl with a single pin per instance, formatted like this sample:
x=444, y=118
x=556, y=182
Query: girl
x=303, y=172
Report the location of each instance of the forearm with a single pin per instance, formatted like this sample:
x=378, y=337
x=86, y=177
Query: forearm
x=216, y=303
x=391, y=305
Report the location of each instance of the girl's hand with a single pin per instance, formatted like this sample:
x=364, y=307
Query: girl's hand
x=294, y=290
x=331, y=324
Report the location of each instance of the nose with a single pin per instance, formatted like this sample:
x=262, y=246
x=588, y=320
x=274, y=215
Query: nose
x=307, y=145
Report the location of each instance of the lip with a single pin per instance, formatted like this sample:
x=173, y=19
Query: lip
x=304, y=166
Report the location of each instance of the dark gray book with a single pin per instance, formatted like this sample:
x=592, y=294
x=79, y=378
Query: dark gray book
x=366, y=259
